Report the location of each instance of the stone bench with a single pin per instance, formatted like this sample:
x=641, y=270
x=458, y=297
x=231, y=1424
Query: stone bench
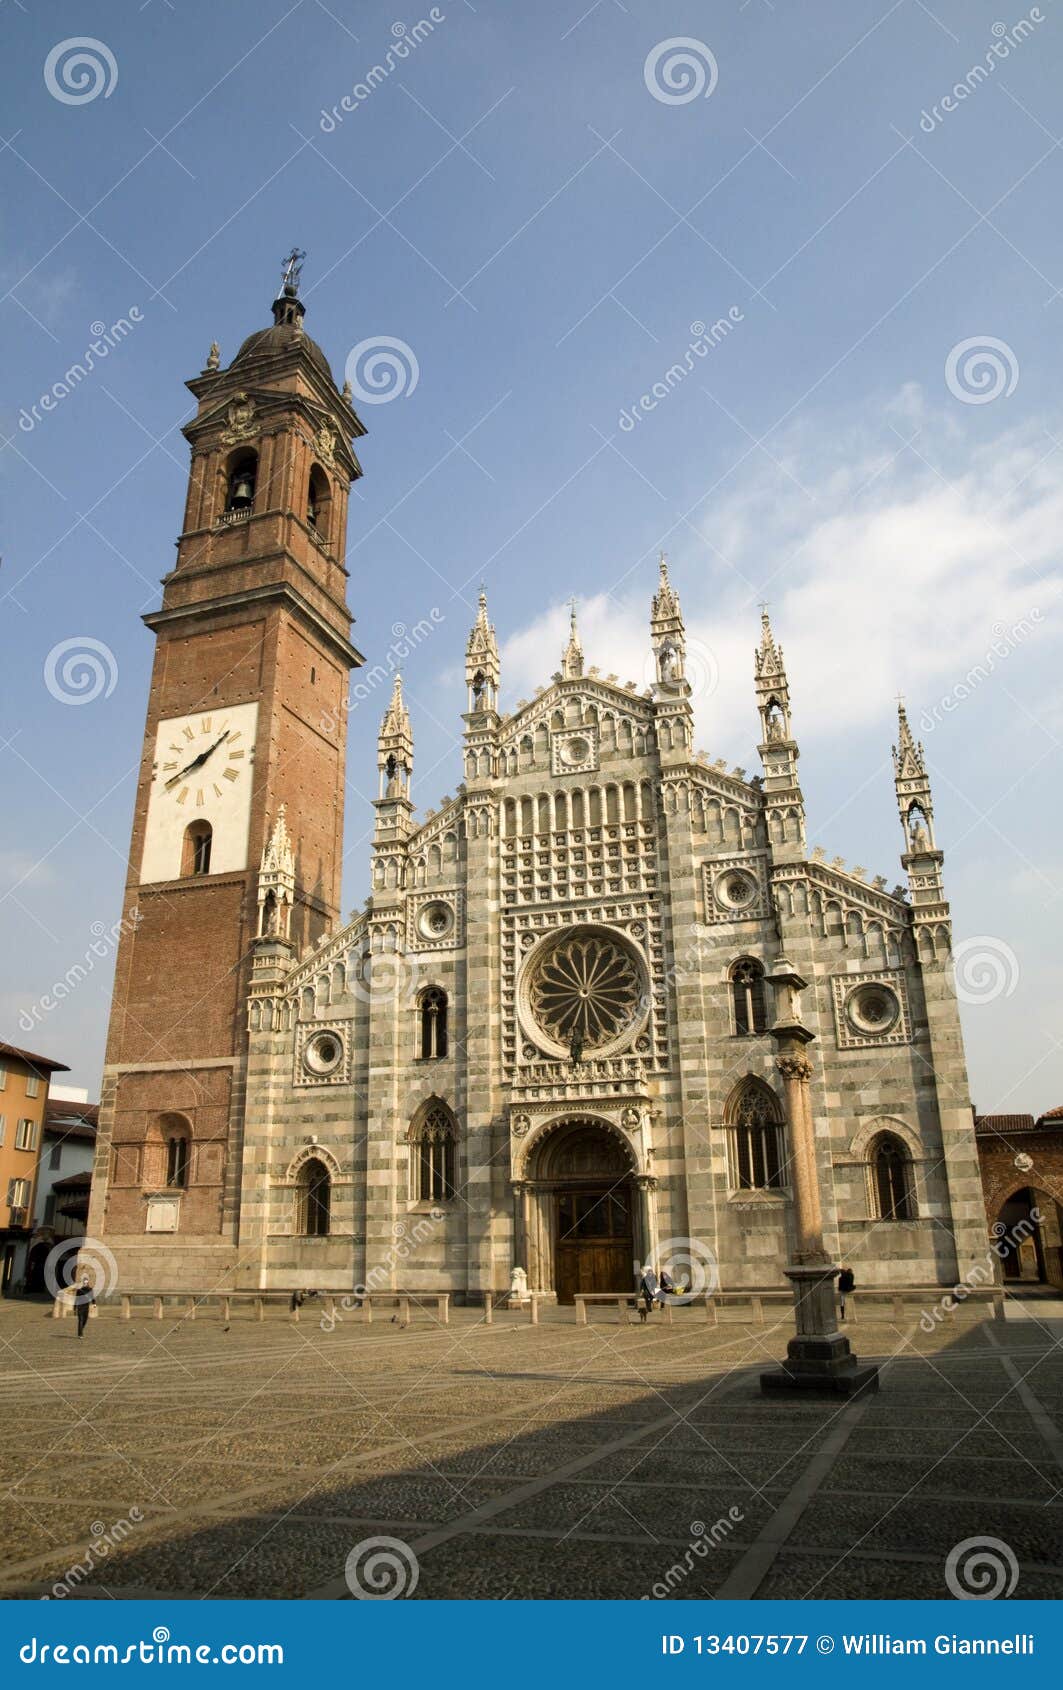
x=191, y=1303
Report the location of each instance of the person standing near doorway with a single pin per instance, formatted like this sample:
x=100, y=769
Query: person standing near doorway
x=83, y=1302
x=846, y=1287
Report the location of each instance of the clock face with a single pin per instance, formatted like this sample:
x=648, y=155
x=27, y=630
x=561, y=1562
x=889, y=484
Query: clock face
x=203, y=773
x=204, y=760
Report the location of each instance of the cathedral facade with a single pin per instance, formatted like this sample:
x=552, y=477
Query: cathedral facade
x=552, y=1039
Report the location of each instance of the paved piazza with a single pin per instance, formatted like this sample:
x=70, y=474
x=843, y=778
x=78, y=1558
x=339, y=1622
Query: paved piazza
x=175, y=1458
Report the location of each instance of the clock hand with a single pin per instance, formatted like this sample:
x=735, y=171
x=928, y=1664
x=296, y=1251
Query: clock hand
x=197, y=762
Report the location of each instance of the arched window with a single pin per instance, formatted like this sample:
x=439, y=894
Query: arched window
x=317, y=503
x=891, y=1178
x=432, y=1154
x=315, y=1191
x=177, y=1160
x=195, y=853
x=747, y=996
x=756, y=1144
x=240, y=486
x=432, y=1010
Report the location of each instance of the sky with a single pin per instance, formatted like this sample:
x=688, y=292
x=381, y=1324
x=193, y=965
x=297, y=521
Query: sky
x=836, y=225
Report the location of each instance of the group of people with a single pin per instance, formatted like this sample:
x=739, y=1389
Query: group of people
x=655, y=1287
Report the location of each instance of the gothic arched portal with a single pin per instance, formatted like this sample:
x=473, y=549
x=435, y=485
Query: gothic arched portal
x=581, y=1219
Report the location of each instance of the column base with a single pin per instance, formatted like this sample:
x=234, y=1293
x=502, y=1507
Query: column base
x=832, y=1376
x=818, y=1359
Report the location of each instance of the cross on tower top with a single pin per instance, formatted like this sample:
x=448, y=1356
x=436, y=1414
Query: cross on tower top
x=293, y=270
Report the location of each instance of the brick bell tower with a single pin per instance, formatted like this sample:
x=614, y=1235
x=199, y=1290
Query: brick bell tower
x=246, y=714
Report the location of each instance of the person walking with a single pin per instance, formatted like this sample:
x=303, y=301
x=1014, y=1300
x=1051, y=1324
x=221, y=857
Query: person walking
x=846, y=1287
x=83, y=1301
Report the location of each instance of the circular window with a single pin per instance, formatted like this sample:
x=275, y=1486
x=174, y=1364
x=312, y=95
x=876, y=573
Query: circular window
x=324, y=1053
x=584, y=990
x=435, y=920
x=736, y=890
x=575, y=750
x=873, y=1009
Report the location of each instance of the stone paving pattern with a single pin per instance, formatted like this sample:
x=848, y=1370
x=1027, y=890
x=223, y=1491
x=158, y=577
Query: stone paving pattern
x=520, y=1462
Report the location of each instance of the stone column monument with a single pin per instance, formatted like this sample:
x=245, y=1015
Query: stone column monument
x=818, y=1357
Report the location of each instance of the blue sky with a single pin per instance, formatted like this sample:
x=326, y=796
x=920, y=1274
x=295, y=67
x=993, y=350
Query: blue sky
x=875, y=446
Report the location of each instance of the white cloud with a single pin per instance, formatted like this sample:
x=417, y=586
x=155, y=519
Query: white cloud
x=893, y=571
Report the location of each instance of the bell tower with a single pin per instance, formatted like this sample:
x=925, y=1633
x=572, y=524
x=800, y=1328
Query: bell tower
x=246, y=722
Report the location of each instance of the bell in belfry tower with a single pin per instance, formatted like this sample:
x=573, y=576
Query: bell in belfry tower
x=242, y=489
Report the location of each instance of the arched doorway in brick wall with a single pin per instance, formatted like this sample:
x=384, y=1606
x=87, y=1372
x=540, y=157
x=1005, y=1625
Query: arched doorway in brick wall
x=1028, y=1237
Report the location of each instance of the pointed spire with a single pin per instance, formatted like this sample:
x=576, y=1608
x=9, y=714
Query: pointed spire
x=483, y=670
x=908, y=758
x=277, y=854
x=572, y=657
x=665, y=599
x=276, y=882
x=396, y=716
x=768, y=657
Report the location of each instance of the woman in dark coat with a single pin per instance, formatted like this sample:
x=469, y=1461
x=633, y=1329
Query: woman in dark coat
x=83, y=1301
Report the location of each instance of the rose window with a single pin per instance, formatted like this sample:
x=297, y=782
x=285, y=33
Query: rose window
x=585, y=992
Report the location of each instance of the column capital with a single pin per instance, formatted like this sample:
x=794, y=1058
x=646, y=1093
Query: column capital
x=793, y=1067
